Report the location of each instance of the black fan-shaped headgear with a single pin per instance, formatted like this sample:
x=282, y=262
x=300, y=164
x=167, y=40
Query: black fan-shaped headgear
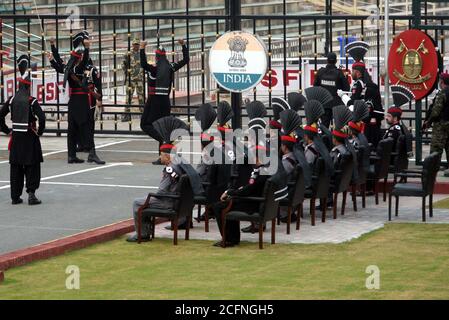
x=165, y=127
x=401, y=95
x=290, y=121
x=319, y=94
x=357, y=50
x=206, y=116
x=342, y=115
x=360, y=111
x=256, y=112
x=23, y=63
x=224, y=113
x=314, y=110
x=296, y=100
x=78, y=39
x=279, y=104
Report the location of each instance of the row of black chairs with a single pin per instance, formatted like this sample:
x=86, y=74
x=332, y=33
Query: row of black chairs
x=343, y=181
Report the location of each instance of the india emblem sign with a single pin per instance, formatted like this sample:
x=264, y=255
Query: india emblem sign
x=238, y=61
x=413, y=62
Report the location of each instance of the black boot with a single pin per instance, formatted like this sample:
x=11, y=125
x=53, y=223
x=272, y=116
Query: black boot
x=32, y=200
x=16, y=201
x=94, y=158
x=75, y=160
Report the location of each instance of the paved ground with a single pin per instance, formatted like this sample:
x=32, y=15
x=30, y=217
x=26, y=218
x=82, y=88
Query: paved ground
x=77, y=197
x=350, y=226
x=81, y=197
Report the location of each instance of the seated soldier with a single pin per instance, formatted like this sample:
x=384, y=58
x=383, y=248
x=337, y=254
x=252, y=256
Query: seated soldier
x=401, y=95
x=254, y=188
x=175, y=166
x=290, y=152
x=168, y=185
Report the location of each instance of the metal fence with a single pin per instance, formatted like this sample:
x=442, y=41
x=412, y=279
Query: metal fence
x=290, y=39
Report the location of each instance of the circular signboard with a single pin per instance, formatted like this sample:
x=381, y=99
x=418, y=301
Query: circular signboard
x=238, y=61
x=413, y=62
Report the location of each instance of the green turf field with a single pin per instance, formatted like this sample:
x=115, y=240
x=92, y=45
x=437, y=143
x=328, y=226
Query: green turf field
x=413, y=260
x=442, y=204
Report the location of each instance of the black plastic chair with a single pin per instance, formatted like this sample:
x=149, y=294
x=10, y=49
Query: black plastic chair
x=199, y=201
x=423, y=189
x=295, y=197
x=267, y=212
x=380, y=164
x=399, y=160
x=362, y=173
x=319, y=190
x=341, y=181
x=183, y=206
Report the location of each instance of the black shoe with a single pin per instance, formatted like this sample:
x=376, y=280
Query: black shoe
x=94, y=158
x=157, y=162
x=134, y=238
x=202, y=218
x=32, y=200
x=16, y=201
x=182, y=226
x=220, y=244
x=293, y=218
x=75, y=160
x=252, y=229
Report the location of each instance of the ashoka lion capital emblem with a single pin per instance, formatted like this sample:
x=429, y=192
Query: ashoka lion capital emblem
x=237, y=45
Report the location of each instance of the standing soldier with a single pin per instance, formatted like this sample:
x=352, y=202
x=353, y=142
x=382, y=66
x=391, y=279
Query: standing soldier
x=439, y=119
x=363, y=88
x=92, y=81
x=25, y=155
x=161, y=76
x=79, y=113
x=134, y=77
x=332, y=79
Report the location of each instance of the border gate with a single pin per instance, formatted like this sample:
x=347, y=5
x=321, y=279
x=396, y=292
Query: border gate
x=296, y=44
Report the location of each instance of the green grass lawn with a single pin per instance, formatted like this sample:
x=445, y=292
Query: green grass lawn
x=413, y=261
x=442, y=204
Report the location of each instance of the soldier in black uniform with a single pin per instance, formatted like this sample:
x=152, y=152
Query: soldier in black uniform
x=25, y=148
x=357, y=125
x=175, y=166
x=91, y=81
x=79, y=113
x=332, y=79
x=342, y=116
x=314, y=146
x=161, y=76
x=363, y=88
x=401, y=96
x=254, y=188
x=292, y=153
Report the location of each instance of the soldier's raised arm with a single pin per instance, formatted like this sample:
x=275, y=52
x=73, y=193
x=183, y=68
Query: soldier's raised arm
x=143, y=60
x=3, y=113
x=185, y=57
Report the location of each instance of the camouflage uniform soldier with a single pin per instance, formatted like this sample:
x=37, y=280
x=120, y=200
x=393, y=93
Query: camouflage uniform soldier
x=133, y=78
x=439, y=118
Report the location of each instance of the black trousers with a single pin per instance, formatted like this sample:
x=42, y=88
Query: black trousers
x=157, y=107
x=79, y=133
x=232, y=227
x=18, y=173
x=373, y=133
